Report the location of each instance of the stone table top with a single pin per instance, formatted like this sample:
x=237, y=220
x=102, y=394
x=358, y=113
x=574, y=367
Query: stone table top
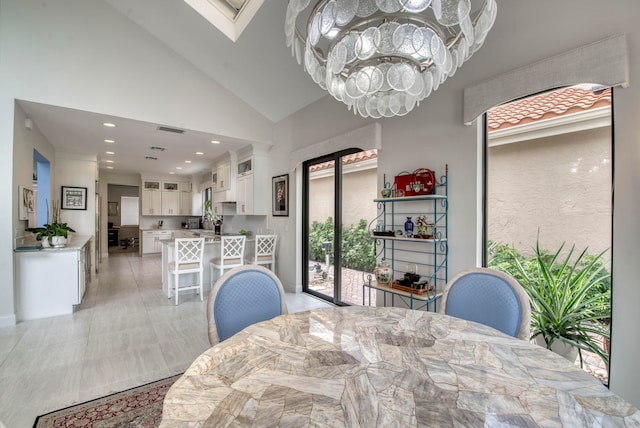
x=363, y=366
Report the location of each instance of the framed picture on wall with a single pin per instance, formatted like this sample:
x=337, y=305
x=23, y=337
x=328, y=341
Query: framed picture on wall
x=280, y=192
x=27, y=202
x=73, y=198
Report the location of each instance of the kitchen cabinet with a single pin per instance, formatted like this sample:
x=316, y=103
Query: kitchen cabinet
x=170, y=203
x=253, y=185
x=151, y=185
x=151, y=240
x=151, y=202
x=185, y=203
x=170, y=186
x=222, y=205
x=223, y=176
x=244, y=200
x=51, y=281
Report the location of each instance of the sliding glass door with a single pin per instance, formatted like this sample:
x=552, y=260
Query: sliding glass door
x=338, y=204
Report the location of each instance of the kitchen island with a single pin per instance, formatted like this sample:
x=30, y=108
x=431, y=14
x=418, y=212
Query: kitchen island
x=51, y=281
x=211, y=250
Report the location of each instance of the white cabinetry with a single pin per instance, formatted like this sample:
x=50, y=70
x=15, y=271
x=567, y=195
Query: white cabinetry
x=244, y=203
x=151, y=240
x=170, y=203
x=166, y=197
x=253, y=185
x=51, y=281
x=224, y=175
x=151, y=202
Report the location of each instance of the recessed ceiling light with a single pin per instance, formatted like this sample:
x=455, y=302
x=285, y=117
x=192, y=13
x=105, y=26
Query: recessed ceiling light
x=215, y=142
x=178, y=167
x=110, y=153
x=187, y=161
x=199, y=153
x=109, y=124
x=109, y=141
x=109, y=161
x=171, y=172
x=109, y=167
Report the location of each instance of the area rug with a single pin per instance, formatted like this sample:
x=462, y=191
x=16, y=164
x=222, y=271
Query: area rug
x=136, y=407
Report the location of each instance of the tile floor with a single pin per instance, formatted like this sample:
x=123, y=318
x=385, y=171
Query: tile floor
x=125, y=333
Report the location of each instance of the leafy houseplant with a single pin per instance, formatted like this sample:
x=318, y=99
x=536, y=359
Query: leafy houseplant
x=567, y=302
x=54, y=228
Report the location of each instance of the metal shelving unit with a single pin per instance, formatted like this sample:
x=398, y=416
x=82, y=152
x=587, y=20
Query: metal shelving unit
x=428, y=255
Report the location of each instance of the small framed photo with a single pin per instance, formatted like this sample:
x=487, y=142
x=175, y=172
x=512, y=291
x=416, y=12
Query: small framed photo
x=280, y=192
x=73, y=198
x=27, y=203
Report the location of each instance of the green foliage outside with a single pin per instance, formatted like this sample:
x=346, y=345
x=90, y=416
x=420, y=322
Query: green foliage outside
x=570, y=295
x=357, y=245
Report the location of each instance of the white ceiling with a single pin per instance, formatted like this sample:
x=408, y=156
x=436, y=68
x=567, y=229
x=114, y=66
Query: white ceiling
x=257, y=68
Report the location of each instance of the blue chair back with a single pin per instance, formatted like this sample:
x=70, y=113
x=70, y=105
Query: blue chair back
x=243, y=296
x=491, y=298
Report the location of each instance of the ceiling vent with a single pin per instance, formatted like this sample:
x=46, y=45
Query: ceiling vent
x=167, y=129
x=151, y=157
x=157, y=148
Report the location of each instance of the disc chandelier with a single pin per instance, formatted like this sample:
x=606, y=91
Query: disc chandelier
x=382, y=57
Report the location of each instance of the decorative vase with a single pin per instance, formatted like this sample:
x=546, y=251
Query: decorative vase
x=58, y=241
x=408, y=228
x=383, y=272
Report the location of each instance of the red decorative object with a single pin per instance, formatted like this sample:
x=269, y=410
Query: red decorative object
x=421, y=182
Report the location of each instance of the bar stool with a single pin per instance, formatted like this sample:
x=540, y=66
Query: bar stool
x=188, y=254
x=231, y=255
x=265, y=251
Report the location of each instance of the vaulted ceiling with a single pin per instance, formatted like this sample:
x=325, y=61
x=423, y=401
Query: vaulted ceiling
x=257, y=68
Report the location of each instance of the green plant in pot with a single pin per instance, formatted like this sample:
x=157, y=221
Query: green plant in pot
x=53, y=229
x=567, y=299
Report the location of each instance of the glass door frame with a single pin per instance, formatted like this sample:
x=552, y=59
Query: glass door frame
x=337, y=224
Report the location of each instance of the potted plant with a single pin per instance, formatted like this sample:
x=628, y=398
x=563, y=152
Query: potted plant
x=54, y=233
x=567, y=300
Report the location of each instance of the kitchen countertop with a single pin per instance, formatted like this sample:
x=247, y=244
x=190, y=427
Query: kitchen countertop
x=74, y=243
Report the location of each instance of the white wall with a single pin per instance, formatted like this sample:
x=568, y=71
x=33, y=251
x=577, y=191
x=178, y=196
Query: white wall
x=84, y=55
x=433, y=135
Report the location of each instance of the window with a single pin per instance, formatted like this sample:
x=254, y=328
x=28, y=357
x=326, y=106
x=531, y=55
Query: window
x=130, y=211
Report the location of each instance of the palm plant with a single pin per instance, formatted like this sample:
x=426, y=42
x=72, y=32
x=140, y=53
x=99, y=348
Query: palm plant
x=564, y=305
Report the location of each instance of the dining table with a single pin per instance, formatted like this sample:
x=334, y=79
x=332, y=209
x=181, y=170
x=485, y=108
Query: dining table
x=386, y=367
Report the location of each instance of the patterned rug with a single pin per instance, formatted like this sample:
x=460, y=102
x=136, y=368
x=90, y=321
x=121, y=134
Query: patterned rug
x=136, y=407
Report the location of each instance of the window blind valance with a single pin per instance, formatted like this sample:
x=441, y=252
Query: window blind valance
x=604, y=62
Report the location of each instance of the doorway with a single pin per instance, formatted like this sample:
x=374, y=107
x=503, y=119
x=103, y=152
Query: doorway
x=339, y=190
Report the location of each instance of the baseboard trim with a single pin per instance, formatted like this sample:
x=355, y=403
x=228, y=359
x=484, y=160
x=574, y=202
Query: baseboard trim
x=7, y=320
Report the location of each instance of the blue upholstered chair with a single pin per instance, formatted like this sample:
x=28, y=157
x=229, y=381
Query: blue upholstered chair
x=489, y=297
x=243, y=296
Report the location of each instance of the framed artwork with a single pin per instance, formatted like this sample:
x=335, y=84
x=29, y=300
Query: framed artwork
x=27, y=202
x=73, y=198
x=280, y=192
x=112, y=208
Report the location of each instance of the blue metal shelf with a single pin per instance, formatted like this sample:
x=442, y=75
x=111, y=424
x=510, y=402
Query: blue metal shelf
x=429, y=255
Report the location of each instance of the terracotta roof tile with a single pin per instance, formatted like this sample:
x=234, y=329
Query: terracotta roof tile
x=556, y=103
x=348, y=159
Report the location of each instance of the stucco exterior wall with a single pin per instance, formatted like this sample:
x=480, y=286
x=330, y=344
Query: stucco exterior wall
x=559, y=186
x=358, y=192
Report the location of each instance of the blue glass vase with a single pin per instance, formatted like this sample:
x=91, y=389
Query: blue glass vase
x=408, y=228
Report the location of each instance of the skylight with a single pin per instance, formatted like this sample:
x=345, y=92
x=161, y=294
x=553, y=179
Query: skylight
x=229, y=16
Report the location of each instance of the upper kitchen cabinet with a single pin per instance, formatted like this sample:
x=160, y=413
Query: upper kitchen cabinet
x=253, y=184
x=151, y=185
x=151, y=202
x=165, y=197
x=224, y=174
